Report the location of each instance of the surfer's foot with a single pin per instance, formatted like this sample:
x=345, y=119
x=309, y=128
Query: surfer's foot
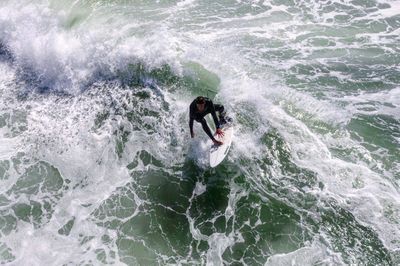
x=217, y=142
x=224, y=119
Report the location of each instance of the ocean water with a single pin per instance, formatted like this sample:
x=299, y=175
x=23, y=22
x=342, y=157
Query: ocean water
x=97, y=166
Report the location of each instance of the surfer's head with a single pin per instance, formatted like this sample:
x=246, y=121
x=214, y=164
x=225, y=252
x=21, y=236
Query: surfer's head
x=200, y=103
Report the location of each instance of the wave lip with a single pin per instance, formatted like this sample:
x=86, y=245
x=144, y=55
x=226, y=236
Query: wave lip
x=53, y=57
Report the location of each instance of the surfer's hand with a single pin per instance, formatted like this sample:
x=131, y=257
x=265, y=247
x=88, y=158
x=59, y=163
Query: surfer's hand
x=192, y=135
x=219, y=132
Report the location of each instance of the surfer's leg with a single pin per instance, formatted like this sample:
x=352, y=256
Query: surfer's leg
x=206, y=128
x=221, y=113
x=219, y=108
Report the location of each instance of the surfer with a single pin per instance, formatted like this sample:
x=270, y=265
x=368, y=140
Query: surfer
x=199, y=108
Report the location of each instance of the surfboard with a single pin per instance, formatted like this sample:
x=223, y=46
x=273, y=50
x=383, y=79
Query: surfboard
x=219, y=152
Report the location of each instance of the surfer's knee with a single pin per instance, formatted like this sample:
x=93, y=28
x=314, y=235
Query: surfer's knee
x=219, y=108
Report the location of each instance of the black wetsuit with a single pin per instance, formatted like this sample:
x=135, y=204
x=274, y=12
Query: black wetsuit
x=209, y=108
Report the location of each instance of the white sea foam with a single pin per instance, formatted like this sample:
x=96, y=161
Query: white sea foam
x=316, y=253
x=383, y=103
x=59, y=129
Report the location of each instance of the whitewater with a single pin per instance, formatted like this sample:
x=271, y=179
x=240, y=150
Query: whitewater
x=97, y=166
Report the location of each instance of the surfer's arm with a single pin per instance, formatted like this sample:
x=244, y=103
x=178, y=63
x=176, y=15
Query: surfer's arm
x=191, y=117
x=191, y=126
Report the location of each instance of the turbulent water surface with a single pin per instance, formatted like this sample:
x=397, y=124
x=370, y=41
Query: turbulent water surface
x=96, y=161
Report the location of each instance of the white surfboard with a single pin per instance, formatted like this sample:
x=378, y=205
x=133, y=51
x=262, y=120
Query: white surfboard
x=218, y=153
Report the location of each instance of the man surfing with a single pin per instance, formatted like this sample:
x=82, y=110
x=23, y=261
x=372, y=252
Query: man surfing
x=199, y=108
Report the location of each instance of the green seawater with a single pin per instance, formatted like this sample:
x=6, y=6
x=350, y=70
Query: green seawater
x=96, y=162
